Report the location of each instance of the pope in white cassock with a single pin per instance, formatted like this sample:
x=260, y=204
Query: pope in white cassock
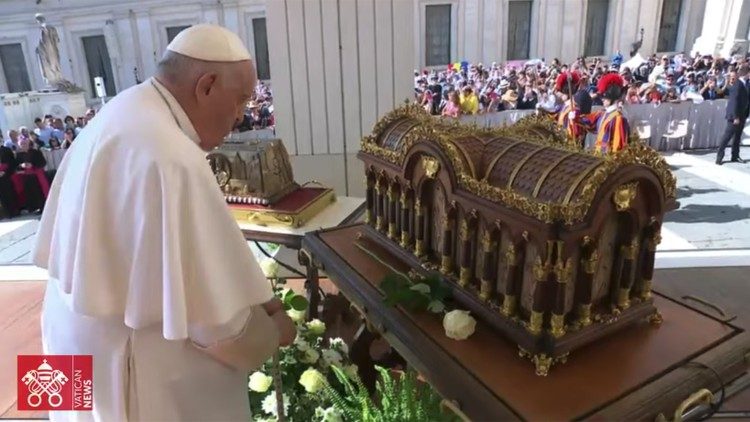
x=148, y=271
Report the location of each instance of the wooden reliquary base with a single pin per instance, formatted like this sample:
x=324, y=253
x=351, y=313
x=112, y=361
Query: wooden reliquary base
x=544, y=347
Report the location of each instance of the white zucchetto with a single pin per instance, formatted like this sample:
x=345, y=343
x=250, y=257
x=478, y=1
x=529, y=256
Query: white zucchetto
x=211, y=43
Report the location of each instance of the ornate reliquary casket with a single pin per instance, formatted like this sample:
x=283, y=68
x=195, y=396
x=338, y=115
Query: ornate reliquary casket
x=258, y=184
x=551, y=245
x=253, y=172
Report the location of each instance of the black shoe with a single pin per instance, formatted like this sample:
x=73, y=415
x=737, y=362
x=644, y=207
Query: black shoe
x=739, y=160
x=719, y=162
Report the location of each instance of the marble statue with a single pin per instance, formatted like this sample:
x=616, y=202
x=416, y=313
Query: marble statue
x=48, y=54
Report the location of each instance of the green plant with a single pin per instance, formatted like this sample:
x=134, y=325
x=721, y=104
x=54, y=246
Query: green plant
x=402, y=398
x=428, y=293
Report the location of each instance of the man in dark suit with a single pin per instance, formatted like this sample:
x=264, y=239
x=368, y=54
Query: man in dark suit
x=738, y=108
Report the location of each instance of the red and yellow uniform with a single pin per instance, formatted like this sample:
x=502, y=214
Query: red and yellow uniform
x=569, y=117
x=611, y=127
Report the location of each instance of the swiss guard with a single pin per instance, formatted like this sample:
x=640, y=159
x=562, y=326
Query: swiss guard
x=578, y=104
x=612, y=129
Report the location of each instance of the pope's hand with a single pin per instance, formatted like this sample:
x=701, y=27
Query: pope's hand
x=286, y=327
x=272, y=306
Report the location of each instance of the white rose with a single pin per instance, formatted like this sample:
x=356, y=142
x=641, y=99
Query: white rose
x=459, y=325
x=312, y=380
x=332, y=357
x=259, y=382
x=311, y=356
x=338, y=343
x=270, y=268
x=351, y=370
x=269, y=404
x=330, y=414
x=316, y=327
x=297, y=316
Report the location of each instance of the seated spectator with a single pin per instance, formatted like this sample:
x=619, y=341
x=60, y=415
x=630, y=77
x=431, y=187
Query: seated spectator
x=70, y=122
x=68, y=139
x=54, y=143
x=453, y=106
x=12, y=140
x=469, y=101
x=509, y=100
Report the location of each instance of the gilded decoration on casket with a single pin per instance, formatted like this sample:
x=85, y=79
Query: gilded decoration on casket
x=526, y=130
x=431, y=166
x=624, y=195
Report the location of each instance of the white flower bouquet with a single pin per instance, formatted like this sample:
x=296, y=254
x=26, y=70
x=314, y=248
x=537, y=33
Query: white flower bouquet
x=305, y=366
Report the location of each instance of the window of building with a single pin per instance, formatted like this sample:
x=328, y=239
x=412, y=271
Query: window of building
x=14, y=68
x=596, y=27
x=172, y=31
x=670, y=21
x=98, y=63
x=437, y=34
x=260, y=39
x=519, y=29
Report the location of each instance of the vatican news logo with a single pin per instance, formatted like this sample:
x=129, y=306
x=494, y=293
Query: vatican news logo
x=55, y=382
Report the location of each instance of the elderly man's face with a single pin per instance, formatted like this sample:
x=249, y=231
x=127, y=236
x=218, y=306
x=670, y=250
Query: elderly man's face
x=222, y=107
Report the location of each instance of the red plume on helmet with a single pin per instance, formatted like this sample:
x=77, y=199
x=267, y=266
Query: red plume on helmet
x=562, y=80
x=608, y=80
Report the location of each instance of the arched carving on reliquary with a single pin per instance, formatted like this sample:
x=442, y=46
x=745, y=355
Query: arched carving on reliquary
x=624, y=263
x=424, y=215
x=382, y=186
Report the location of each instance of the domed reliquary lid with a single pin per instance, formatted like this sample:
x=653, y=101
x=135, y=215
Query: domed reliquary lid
x=543, y=240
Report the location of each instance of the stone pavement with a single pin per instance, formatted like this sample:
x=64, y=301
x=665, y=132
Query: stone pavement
x=714, y=211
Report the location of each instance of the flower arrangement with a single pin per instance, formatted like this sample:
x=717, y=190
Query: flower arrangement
x=305, y=369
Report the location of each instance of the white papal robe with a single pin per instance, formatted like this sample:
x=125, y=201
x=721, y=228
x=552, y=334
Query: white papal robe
x=143, y=258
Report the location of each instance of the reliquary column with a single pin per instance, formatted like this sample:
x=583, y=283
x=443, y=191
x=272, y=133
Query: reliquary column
x=370, y=197
x=406, y=224
x=466, y=234
x=489, y=265
x=379, y=209
x=589, y=264
x=512, y=276
x=446, y=249
x=394, y=201
x=563, y=271
x=419, y=243
x=647, y=267
x=542, y=270
x=627, y=259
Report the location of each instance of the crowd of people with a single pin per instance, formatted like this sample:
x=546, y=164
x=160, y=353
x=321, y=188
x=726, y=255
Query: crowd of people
x=472, y=88
x=24, y=180
x=259, y=112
